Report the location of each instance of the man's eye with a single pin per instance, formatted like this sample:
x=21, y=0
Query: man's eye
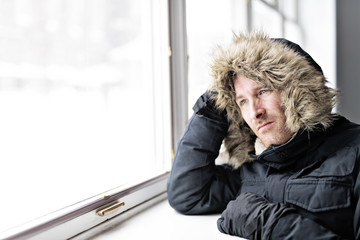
x=262, y=91
x=242, y=102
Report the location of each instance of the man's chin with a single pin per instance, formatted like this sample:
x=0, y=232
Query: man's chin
x=271, y=140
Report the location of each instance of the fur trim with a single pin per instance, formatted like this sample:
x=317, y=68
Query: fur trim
x=307, y=101
x=259, y=146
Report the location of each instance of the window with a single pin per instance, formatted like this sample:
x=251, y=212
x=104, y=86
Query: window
x=207, y=31
x=84, y=101
x=87, y=104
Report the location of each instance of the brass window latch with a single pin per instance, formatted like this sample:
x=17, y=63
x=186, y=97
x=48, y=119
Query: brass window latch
x=110, y=209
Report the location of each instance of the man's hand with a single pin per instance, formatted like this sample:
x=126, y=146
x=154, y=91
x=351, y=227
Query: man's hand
x=205, y=106
x=250, y=216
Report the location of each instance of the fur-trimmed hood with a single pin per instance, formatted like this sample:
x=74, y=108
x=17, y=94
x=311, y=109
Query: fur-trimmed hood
x=278, y=64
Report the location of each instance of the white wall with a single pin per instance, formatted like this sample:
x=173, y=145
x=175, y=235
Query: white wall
x=348, y=57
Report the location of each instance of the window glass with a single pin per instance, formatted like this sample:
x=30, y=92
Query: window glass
x=267, y=19
x=209, y=23
x=290, y=9
x=80, y=83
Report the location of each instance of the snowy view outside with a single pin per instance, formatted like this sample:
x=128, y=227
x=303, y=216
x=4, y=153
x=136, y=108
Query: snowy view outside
x=77, y=102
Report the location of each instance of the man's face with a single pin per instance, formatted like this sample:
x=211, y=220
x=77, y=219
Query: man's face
x=262, y=111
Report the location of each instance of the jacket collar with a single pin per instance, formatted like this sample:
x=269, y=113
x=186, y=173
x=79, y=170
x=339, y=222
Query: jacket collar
x=287, y=154
x=300, y=146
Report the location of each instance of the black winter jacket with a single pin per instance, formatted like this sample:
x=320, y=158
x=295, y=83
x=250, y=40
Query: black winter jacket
x=310, y=186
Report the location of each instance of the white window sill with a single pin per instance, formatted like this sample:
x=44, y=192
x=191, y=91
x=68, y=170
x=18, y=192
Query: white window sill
x=160, y=221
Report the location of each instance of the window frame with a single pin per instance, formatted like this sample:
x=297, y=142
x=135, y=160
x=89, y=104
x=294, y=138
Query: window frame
x=77, y=218
x=81, y=219
x=178, y=68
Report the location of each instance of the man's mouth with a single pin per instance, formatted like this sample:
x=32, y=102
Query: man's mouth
x=262, y=126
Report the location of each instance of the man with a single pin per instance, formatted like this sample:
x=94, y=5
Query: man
x=293, y=165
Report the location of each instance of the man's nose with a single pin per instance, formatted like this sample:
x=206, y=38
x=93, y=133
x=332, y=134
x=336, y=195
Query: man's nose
x=257, y=110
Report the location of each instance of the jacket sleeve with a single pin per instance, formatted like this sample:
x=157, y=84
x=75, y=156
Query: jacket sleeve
x=295, y=226
x=357, y=200
x=253, y=217
x=196, y=185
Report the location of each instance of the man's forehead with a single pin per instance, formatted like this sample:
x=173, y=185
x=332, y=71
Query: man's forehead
x=239, y=93
x=243, y=84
